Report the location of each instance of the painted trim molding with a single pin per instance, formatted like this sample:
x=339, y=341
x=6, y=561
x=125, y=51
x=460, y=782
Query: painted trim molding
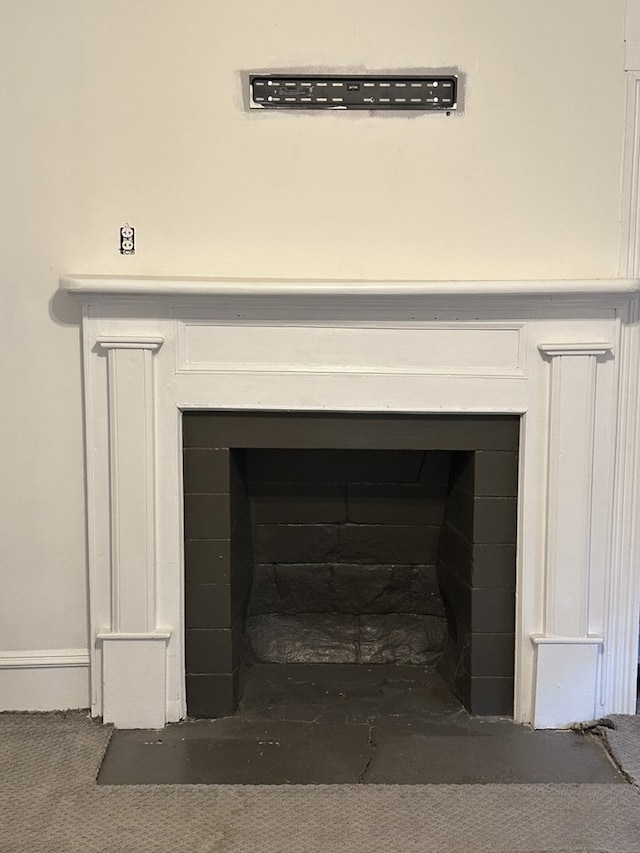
x=630, y=214
x=44, y=679
x=44, y=658
x=91, y=288
x=618, y=682
x=591, y=640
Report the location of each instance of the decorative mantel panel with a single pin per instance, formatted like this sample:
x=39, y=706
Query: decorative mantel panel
x=563, y=355
x=133, y=649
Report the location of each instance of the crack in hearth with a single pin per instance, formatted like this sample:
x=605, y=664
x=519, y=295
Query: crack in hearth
x=372, y=751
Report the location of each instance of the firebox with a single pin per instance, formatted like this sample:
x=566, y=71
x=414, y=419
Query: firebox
x=355, y=539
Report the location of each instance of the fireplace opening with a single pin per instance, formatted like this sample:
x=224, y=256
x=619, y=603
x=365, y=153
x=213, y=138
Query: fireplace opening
x=345, y=556
x=351, y=539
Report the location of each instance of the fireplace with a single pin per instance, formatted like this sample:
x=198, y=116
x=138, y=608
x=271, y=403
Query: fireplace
x=561, y=357
x=400, y=549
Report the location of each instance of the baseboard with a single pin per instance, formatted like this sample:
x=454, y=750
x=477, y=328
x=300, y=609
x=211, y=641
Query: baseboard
x=44, y=680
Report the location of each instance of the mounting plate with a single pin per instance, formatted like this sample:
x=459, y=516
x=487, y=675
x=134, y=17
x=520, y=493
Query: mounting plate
x=431, y=93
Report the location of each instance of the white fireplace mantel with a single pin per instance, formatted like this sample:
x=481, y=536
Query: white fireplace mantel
x=562, y=354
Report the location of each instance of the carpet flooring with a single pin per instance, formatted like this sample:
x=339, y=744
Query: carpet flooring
x=622, y=738
x=49, y=801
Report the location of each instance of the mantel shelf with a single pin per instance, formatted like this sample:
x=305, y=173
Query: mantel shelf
x=87, y=287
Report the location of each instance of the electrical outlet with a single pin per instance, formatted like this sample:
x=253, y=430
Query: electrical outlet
x=127, y=240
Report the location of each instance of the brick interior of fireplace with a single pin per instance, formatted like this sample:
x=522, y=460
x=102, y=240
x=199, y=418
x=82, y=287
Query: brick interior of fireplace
x=350, y=539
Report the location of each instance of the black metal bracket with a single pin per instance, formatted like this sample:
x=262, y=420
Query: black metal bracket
x=346, y=92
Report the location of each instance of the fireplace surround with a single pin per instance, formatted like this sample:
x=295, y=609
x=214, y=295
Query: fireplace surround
x=561, y=355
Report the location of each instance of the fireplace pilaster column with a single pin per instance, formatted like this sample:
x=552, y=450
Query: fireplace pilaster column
x=133, y=647
x=567, y=653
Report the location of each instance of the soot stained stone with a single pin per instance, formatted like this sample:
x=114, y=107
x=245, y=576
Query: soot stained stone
x=345, y=588
x=305, y=589
x=343, y=638
x=303, y=638
x=355, y=543
x=401, y=637
x=385, y=589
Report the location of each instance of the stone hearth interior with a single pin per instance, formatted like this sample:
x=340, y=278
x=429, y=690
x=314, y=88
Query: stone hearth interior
x=345, y=554
x=309, y=539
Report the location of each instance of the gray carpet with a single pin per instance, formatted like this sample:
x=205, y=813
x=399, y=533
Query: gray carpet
x=49, y=802
x=623, y=742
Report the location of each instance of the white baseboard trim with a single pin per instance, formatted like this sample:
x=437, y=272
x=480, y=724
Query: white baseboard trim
x=43, y=658
x=44, y=680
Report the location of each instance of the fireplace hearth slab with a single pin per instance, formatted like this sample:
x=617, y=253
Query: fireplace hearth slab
x=326, y=724
x=233, y=751
x=501, y=754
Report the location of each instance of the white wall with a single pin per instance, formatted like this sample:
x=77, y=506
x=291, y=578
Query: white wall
x=119, y=111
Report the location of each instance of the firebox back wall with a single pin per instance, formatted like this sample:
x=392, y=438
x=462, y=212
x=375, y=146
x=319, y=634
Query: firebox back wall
x=345, y=547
